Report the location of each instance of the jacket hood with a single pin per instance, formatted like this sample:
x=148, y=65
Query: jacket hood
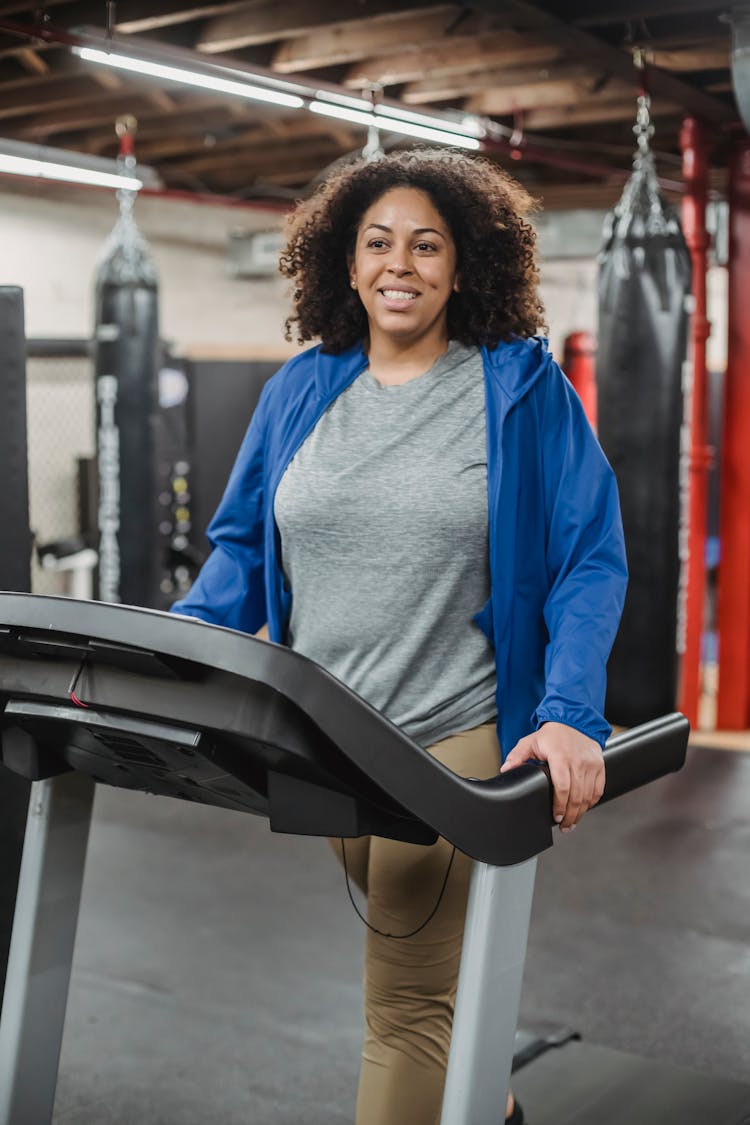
x=515, y=364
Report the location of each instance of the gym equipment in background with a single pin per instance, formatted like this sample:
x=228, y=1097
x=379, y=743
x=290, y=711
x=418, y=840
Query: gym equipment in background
x=644, y=287
x=126, y=358
x=174, y=706
x=15, y=574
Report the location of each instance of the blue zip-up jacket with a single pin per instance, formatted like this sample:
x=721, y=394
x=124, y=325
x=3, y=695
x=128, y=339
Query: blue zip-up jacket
x=557, y=557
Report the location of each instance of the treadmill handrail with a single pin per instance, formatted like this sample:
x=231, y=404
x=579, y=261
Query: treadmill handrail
x=501, y=821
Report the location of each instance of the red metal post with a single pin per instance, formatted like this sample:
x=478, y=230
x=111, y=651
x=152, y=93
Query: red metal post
x=579, y=364
x=733, y=704
x=695, y=144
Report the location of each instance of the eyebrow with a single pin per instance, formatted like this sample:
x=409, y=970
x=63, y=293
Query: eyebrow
x=418, y=230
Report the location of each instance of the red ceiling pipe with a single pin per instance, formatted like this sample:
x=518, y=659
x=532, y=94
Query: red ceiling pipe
x=733, y=704
x=695, y=145
x=579, y=364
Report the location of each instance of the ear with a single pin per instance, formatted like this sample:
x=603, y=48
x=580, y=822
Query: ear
x=456, y=285
x=352, y=272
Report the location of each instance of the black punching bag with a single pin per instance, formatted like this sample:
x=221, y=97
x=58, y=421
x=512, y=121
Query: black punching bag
x=644, y=285
x=15, y=574
x=127, y=362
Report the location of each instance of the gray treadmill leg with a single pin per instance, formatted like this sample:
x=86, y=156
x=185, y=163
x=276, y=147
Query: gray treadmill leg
x=41, y=948
x=489, y=993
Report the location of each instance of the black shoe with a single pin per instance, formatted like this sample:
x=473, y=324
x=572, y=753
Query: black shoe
x=516, y=1117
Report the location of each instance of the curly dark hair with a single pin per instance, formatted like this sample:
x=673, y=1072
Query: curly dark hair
x=484, y=209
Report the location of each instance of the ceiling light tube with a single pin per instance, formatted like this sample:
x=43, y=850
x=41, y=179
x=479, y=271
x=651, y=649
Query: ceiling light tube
x=469, y=127
x=393, y=125
x=439, y=136
x=68, y=173
x=342, y=99
x=343, y=113
x=188, y=77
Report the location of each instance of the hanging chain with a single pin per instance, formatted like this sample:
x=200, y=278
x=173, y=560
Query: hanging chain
x=643, y=128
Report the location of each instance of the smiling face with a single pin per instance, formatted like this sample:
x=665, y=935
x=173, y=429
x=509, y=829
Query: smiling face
x=404, y=268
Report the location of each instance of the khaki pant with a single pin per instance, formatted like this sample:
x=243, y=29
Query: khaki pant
x=410, y=985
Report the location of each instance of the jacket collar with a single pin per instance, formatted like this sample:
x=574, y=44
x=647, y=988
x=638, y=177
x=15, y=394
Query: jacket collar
x=334, y=372
x=514, y=365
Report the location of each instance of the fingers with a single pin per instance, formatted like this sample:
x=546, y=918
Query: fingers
x=575, y=764
x=579, y=791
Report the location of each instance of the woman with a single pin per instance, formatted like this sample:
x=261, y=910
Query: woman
x=420, y=506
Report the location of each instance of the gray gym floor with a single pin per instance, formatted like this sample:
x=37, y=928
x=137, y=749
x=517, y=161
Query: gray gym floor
x=217, y=970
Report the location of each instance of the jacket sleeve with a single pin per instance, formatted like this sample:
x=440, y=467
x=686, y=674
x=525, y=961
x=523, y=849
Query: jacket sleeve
x=230, y=588
x=586, y=565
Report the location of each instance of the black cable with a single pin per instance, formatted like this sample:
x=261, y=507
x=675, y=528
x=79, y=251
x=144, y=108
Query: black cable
x=397, y=937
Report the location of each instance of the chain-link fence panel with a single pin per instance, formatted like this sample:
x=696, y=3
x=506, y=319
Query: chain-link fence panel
x=61, y=429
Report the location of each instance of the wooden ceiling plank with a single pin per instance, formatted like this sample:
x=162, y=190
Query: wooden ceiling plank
x=96, y=113
x=252, y=161
x=107, y=79
x=266, y=20
x=687, y=59
x=586, y=113
x=597, y=52
x=473, y=81
x=502, y=103
x=32, y=61
x=152, y=15
x=446, y=57
x=346, y=42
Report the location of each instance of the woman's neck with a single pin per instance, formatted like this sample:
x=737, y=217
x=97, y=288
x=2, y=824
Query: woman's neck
x=394, y=362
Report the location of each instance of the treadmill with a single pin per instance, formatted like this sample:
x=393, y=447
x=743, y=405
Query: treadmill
x=138, y=699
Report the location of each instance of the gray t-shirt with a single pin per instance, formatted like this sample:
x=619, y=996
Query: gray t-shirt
x=384, y=534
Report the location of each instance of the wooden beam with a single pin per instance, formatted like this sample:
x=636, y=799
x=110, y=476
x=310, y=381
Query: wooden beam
x=25, y=96
x=712, y=56
x=448, y=56
x=93, y=113
x=345, y=42
x=589, y=112
x=151, y=15
x=263, y=21
x=449, y=88
x=251, y=159
x=598, y=53
x=522, y=99
x=32, y=61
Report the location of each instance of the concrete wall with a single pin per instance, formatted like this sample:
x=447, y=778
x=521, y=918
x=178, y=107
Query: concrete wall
x=50, y=245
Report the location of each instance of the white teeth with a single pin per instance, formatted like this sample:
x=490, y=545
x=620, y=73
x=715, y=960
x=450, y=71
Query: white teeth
x=398, y=295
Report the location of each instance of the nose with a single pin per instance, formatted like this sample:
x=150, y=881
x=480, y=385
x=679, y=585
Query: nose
x=398, y=268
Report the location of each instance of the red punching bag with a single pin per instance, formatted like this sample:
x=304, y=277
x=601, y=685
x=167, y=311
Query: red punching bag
x=579, y=364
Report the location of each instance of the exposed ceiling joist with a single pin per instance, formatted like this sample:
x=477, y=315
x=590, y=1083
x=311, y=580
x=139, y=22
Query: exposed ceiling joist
x=597, y=52
x=503, y=103
x=590, y=112
x=266, y=20
x=511, y=78
x=712, y=56
x=449, y=57
x=347, y=42
x=32, y=61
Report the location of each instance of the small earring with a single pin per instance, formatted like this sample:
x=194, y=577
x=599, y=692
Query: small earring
x=353, y=284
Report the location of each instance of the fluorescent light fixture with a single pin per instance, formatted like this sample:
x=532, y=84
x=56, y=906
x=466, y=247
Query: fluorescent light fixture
x=342, y=99
x=188, y=77
x=69, y=173
x=343, y=113
x=469, y=127
x=395, y=125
